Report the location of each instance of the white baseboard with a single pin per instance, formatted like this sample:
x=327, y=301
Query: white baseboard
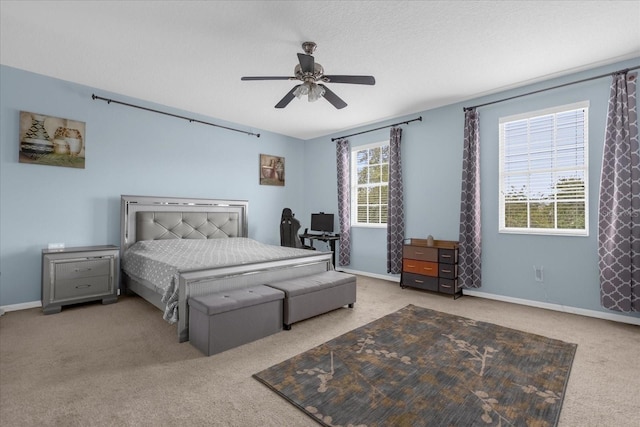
x=366, y=273
x=556, y=307
x=21, y=306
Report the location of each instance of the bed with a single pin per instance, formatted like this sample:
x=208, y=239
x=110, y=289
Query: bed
x=191, y=229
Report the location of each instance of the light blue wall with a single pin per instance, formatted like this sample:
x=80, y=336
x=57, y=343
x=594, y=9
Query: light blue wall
x=129, y=151
x=432, y=157
x=136, y=152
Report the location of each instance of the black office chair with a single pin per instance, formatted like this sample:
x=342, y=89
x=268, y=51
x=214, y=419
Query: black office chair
x=289, y=227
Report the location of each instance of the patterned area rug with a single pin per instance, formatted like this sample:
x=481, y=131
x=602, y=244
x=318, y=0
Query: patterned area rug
x=419, y=367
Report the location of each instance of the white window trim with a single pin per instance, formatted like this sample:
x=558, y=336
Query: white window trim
x=354, y=183
x=543, y=231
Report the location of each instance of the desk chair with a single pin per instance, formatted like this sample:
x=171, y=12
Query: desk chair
x=289, y=227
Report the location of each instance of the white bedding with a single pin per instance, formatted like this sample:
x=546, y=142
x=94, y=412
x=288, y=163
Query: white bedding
x=161, y=261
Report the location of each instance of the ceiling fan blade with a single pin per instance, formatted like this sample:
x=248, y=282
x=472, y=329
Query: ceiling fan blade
x=267, y=78
x=307, y=63
x=333, y=98
x=287, y=98
x=358, y=80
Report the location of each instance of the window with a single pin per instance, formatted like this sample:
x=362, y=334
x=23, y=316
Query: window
x=544, y=172
x=369, y=184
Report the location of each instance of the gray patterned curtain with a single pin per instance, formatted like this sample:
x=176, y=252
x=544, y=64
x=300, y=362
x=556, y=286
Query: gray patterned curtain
x=395, y=205
x=619, y=209
x=469, y=258
x=343, y=160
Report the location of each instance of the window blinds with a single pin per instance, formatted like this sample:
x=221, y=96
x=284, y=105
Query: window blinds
x=544, y=171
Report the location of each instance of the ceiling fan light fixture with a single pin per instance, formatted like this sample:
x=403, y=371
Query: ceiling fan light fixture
x=316, y=92
x=312, y=90
x=302, y=90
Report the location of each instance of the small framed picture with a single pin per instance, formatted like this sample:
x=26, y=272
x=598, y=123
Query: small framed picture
x=53, y=141
x=271, y=170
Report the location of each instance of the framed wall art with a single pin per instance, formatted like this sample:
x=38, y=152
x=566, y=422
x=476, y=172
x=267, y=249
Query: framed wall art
x=271, y=170
x=53, y=141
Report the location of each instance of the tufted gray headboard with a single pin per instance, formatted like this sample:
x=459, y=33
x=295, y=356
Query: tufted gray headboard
x=152, y=218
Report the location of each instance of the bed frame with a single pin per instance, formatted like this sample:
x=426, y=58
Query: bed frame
x=225, y=219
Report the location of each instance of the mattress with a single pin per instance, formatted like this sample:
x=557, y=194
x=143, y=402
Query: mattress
x=160, y=262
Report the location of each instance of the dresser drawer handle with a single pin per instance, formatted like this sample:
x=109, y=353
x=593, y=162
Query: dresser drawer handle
x=446, y=271
x=427, y=268
x=419, y=281
x=446, y=286
x=410, y=265
x=81, y=270
x=83, y=286
x=419, y=253
x=445, y=256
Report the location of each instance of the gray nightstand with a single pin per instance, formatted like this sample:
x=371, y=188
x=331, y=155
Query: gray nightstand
x=74, y=275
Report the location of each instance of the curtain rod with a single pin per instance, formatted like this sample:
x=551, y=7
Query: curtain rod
x=109, y=101
x=550, y=88
x=382, y=127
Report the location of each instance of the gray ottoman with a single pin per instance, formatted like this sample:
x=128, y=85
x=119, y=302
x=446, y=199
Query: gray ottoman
x=220, y=321
x=315, y=294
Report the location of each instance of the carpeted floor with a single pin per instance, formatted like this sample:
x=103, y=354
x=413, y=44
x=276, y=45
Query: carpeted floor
x=420, y=367
x=122, y=365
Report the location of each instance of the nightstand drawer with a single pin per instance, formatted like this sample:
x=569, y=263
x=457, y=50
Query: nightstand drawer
x=81, y=287
x=420, y=253
x=420, y=267
x=420, y=282
x=79, y=268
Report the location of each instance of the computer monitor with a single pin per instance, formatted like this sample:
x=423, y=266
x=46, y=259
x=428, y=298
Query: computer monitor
x=322, y=222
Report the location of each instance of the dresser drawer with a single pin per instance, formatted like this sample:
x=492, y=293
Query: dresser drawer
x=448, y=271
x=420, y=253
x=81, y=287
x=420, y=267
x=448, y=286
x=78, y=268
x=448, y=256
x=419, y=281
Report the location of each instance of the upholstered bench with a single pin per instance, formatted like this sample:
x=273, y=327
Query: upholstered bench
x=309, y=296
x=223, y=320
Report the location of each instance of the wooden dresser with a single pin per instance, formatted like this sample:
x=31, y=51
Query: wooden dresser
x=433, y=268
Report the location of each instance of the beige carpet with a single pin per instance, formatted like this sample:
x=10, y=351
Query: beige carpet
x=121, y=364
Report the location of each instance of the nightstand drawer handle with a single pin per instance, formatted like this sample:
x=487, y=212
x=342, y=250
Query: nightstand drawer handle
x=419, y=253
x=419, y=281
x=83, y=286
x=80, y=270
x=446, y=286
x=446, y=271
x=446, y=256
x=427, y=268
x=410, y=265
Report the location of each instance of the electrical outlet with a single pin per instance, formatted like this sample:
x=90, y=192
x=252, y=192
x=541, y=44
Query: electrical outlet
x=538, y=273
x=56, y=246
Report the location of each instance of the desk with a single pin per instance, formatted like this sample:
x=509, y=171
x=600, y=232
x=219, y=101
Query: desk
x=331, y=238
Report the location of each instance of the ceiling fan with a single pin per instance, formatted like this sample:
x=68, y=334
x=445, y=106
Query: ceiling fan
x=312, y=76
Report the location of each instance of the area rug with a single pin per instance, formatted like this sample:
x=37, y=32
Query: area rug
x=420, y=367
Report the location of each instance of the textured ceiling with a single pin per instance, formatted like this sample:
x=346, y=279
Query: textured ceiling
x=424, y=54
